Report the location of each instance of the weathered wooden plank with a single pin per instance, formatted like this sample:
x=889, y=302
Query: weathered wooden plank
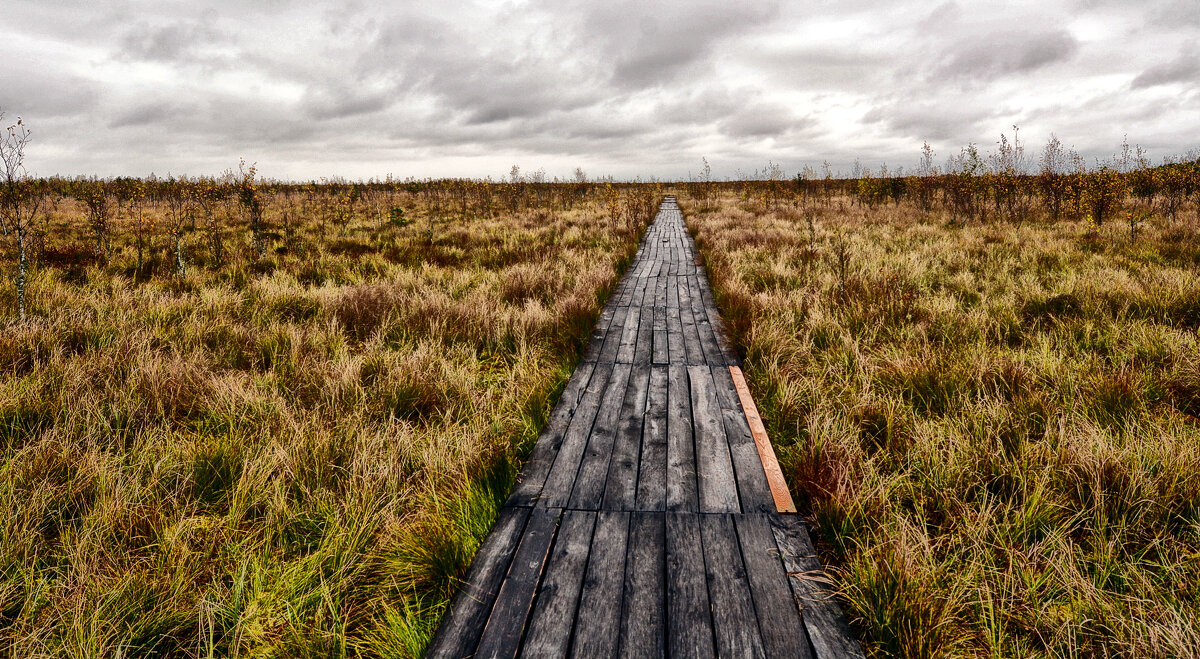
x=598, y=623
x=779, y=621
x=727, y=394
x=766, y=454
x=644, y=614
x=627, y=284
x=660, y=353
x=599, y=331
x=645, y=336
x=541, y=458
x=689, y=617
x=673, y=289
x=502, y=634
x=652, y=467
x=717, y=485
x=460, y=630
x=620, y=491
x=822, y=615
x=722, y=331
x=643, y=287
x=629, y=336
x=735, y=622
x=713, y=354
x=681, y=451
x=753, y=490
x=660, y=286
x=589, y=483
x=561, y=479
x=675, y=344
x=612, y=338
x=557, y=600
x=691, y=337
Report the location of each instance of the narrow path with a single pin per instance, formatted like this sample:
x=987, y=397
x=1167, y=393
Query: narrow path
x=644, y=524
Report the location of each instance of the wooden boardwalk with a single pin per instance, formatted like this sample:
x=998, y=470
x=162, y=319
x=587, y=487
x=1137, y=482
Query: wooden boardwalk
x=644, y=522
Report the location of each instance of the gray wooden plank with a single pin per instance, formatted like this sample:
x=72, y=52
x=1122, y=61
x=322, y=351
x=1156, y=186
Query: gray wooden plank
x=721, y=330
x=660, y=353
x=779, y=621
x=561, y=479
x=549, y=632
x=469, y=609
x=735, y=623
x=675, y=345
x=502, y=633
x=713, y=354
x=727, y=395
x=588, y=490
x=599, y=331
x=629, y=336
x=645, y=336
x=612, y=339
x=689, y=617
x=541, y=458
x=754, y=492
x=644, y=614
x=598, y=623
x=620, y=490
x=691, y=337
x=652, y=466
x=681, y=451
x=822, y=615
x=717, y=485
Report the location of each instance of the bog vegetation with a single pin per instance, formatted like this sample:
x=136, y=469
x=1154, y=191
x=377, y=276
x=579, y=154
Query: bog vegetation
x=252, y=419
x=248, y=418
x=984, y=382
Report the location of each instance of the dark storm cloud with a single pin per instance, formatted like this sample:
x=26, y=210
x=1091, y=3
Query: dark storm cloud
x=624, y=87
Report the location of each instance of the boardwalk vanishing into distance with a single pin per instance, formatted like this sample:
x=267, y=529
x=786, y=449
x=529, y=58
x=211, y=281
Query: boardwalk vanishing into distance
x=650, y=518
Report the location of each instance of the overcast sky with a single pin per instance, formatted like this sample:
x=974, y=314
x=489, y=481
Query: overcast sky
x=625, y=88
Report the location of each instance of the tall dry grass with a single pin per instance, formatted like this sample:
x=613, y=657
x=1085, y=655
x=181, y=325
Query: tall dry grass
x=993, y=428
x=293, y=455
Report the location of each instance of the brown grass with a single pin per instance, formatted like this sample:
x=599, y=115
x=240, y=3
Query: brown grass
x=293, y=455
x=992, y=427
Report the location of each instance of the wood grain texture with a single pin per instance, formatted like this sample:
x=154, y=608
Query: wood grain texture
x=598, y=623
x=828, y=632
x=550, y=627
x=644, y=614
x=779, y=488
x=502, y=634
x=689, y=616
x=471, y=606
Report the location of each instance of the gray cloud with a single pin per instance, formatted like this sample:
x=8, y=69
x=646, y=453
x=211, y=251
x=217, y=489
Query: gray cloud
x=981, y=57
x=624, y=87
x=1185, y=69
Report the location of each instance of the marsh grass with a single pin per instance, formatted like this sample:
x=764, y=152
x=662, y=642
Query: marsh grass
x=292, y=455
x=992, y=427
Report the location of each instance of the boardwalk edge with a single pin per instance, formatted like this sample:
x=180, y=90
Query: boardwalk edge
x=779, y=488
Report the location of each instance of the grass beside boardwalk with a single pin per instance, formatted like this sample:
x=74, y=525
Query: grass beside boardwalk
x=292, y=455
x=994, y=428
